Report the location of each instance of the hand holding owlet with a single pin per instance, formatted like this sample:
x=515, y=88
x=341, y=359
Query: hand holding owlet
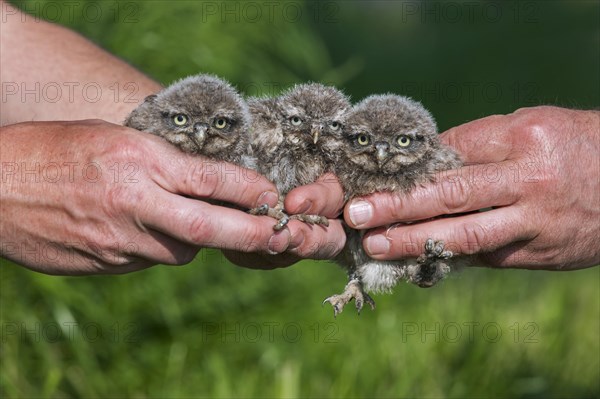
x=389, y=144
x=294, y=138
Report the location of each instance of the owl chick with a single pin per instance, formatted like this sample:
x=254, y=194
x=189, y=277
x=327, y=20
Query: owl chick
x=389, y=144
x=200, y=114
x=295, y=138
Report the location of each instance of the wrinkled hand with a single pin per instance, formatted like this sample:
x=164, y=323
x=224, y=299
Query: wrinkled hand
x=538, y=168
x=92, y=197
x=323, y=197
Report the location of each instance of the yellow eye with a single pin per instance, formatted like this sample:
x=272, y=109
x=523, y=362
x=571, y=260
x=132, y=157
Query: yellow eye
x=220, y=123
x=180, y=119
x=335, y=126
x=403, y=141
x=296, y=121
x=362, y=139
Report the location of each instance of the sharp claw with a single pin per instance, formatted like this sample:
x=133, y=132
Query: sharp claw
x=429, y=244
x=370, y=301
x=359, y=305
x=260, y=210
x=281, y=223
x=439, y=248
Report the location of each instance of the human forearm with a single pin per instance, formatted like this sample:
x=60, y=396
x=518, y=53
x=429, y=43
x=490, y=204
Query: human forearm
x=51, y=73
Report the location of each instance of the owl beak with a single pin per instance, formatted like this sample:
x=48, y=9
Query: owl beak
x=382, y=152
x=199, y=134
x=316, y=133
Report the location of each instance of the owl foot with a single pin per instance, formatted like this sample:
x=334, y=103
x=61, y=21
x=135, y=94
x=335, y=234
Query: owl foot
x=432, y=267
x=311, y=219
x=354, y=290
x=275, y=213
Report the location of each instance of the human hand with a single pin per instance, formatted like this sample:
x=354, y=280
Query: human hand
x=90, y=197
x=324, y=197
x=538, y=168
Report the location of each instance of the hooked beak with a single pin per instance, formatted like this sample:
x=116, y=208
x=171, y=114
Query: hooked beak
x=199, y=134
x=316, y=133
x=382, y=152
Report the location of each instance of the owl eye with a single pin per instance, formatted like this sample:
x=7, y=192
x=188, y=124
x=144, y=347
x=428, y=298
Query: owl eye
x=335, y=126
x=296, y=121
x=403, y=141
x=221, y=123
x=363, y=139
x=180, y=119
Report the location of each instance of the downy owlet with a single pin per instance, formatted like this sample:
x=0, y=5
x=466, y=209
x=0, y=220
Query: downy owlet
x=389, y=143
x=294, y=137
x=200, y=114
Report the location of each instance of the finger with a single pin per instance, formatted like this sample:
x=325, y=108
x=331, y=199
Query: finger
x=144, y=250
x=316, y=242
x=199, y=223
x=470, y=234
x=324, y=197
x=480, y=141
x=516, y=255
x=204, y=178
x=261, y=261
x=158, y=248
x=525, y=255
x=456, y=191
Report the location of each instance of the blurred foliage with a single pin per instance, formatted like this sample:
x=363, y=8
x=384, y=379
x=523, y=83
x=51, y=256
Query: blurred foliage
x=213, y=330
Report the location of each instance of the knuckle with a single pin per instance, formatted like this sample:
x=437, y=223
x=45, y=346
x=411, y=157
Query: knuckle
x=253, y=238
x=201, y=229
x=321, y=248
x=412, y=243
x=453, y=195
x=474, y=238
x=395, y=206
x=202, y=179
x=124, y=148
x=121, y=198
x=533, y=125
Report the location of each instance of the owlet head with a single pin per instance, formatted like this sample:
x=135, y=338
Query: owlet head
x=200, y=114
x=388, y=134
x=312, y=115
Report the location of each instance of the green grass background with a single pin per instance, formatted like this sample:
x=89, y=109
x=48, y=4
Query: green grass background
x=213, y=330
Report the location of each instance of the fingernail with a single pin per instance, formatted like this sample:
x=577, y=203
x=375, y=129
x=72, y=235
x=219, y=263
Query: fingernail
x=360, y=212
x=377, y=244
x=268, y=197
x=279, y=242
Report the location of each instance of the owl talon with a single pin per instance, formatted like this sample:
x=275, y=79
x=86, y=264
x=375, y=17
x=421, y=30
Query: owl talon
x=431, y=266
x=311, y=219
x=434, y=250
x=429, y=245
x=283, y=221
x=353, y=290
x=260, y=210
x=275, y=213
